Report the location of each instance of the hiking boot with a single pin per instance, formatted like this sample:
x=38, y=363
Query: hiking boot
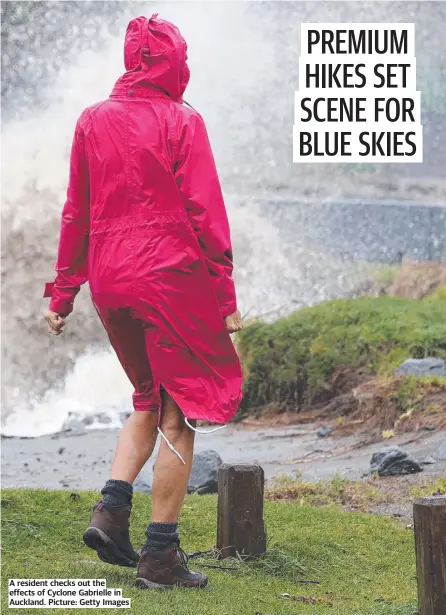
x=167, y=568
x=108, y=535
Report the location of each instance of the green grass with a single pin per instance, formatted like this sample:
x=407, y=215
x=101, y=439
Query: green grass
x=365, y=564
x=290, y=363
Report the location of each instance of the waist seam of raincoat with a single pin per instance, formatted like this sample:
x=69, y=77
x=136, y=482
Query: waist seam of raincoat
x=157, y=222
x=148, y=230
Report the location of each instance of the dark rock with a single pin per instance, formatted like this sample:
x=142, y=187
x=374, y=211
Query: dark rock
x=442, y=451
x=61, y=450
x=393, y=461
x=323, y=431
x=430, y=366
x=203, y=478
x=73, y=426
x=211, y=486
x=104, y=419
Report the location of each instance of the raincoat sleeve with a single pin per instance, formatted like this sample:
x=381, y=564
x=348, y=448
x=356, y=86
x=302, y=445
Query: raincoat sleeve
x=197, y=179
x=72, y=260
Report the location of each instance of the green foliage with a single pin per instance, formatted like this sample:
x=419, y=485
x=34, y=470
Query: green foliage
x=290, y=363
x=436, y=488
x=411, y=391
x=440, y=293
x=364, y=563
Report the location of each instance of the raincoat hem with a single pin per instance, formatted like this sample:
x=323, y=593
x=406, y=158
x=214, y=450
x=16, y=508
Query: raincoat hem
x=145, y=408
x=219, y=418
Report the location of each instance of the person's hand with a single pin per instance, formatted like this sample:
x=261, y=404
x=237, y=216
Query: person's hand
x=234, y=322
x=55, y=321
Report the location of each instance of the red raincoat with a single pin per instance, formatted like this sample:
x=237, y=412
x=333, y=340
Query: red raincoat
x=145, y=224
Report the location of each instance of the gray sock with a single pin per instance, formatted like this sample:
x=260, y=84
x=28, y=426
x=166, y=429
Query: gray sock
x=117, y=493
x=161, y=535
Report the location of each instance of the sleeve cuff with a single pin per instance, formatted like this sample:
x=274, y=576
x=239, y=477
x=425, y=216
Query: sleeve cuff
x=61, y=307
x=228, y=309
x=57, y=303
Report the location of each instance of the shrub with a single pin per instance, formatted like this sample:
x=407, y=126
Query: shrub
x=293, y=361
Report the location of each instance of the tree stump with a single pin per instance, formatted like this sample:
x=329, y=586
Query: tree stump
x=430, y=546
x=240, y=510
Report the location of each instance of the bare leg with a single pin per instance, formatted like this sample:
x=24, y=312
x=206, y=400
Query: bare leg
x=108, y=532
x=135, y=445
x=171, y=476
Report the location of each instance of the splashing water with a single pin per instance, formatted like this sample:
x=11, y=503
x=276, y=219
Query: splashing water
x=243, y=60
x=76, y=401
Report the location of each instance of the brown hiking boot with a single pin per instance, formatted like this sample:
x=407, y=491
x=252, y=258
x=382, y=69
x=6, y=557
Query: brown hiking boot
x=167, y=568
x=108, y=535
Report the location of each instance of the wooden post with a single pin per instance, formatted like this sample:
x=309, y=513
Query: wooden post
x=240, y=510
x=429, y=515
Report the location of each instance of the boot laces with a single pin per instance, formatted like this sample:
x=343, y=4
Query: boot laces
x=183, y=557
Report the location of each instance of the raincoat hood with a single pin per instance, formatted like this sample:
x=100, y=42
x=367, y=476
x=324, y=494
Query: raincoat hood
x=155, y=54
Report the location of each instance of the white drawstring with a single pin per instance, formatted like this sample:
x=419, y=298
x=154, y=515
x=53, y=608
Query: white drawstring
x=172, y=448
x=203, y=430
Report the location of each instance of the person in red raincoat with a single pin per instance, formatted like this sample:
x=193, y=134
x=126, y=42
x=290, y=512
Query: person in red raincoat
x=145, y=223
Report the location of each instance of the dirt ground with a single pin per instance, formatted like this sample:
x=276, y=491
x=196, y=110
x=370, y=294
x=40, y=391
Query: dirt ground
x=71, y=462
